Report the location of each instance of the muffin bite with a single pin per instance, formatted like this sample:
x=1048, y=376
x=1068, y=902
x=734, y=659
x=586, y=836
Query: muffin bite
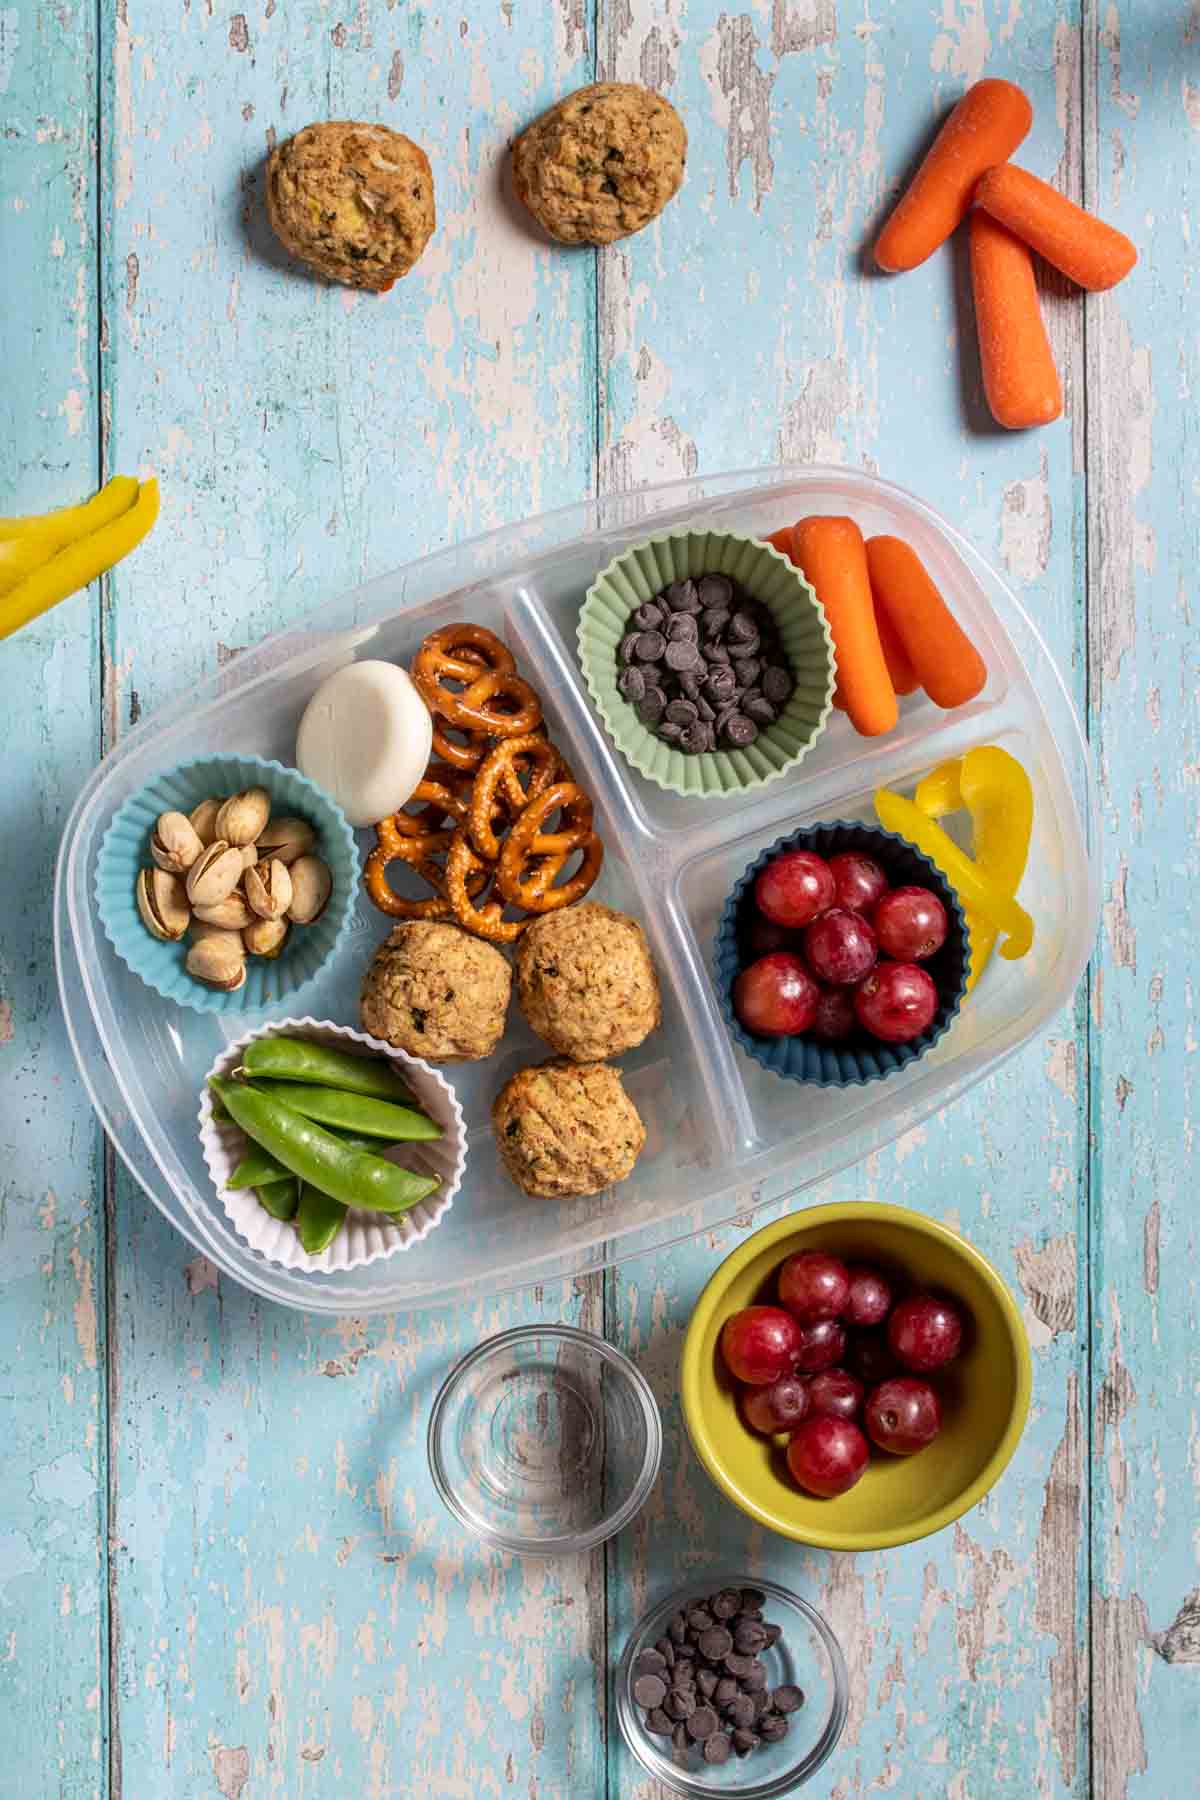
x=567, y=1129
x=601, y=164
x=355, y=202
x=437, y=992
x=586, y=983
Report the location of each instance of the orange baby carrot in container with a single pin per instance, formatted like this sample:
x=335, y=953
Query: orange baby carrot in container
x=1092, y=253
x=984, y=129
x=1019, y=376
x=945, y=661
x=899, y=665
x=833, y=557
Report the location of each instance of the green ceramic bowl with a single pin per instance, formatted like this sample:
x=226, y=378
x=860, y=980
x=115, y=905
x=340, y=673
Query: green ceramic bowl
x=640, y=573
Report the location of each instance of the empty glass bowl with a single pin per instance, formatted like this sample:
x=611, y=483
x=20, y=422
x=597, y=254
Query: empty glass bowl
x=807, y=1656
x=545, y=1440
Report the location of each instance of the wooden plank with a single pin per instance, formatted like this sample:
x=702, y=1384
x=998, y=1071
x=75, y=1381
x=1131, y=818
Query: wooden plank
x=297, y=1613
x=53, y=1598
x=740, y=329
x=1143, y=166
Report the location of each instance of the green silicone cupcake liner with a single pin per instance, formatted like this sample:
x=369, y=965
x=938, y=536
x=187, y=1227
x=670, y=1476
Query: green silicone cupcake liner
x=640, y=573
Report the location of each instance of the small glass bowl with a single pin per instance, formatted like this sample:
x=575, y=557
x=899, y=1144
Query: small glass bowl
x=545, y=1441
x=807, y=1655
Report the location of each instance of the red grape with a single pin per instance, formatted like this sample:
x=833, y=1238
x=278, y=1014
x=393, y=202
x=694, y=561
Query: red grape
x=827, y=1456
x=813, y=1285
x=924, y=1332
x=870, y=1297
x=835, y=1393
x=902, y=1415
x=821, y=1344
x=760, y=937
x=776, y=996
x=858, y=879
x=910, y=924
x=759, y=1344
x=839, y=947
x=896, y=1002
x=794, y=888
x=869, y=1357
x=834, y=1019
x=779, y=1407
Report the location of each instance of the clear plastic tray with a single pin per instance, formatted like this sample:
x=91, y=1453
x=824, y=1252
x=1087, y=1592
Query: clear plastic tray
x=723, y=1133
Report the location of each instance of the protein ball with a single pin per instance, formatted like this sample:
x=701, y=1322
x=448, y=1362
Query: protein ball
x=353, y=201
x=566, y=1129
x=601, y=164
x=586, y=983
x=437, y=992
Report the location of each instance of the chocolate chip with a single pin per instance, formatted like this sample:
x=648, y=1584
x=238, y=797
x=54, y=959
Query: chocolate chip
x=771, y=1728
x=787, y=1699
x=727, y=1688
x=702, y=1723
x=629, y=644
x=753, y=1601
x=680, y=655
x=684, y=1672
x=749, y=1637
x=706, y=1681
x=745, y=1741
x=714, y=590
x=715, y=1643
x=651, y=706
x=726, y=1604
x=747, y=669
x=649, y=617
x=680, y=1746
x=717, y=653
x=777, y=685
x=651, y=646
x=762, y=1702
x=683, y=629
x=699, y=1619
x=682, y=712
x=649, y=1690
x=742, y=627
x=736, y=1664
x=741, y=1710
x=758, y=708
x=680, y=1703
x=739, y=731
x=671, y=734
x=717, y=1748
x=658, y=1722
x=681, y=596
x=631, y=683
x=756, y=1680
x=707, y=713
x=650, y=1662
x=774, y=1633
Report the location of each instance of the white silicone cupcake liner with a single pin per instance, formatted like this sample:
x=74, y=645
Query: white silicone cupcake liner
x=366, y=1237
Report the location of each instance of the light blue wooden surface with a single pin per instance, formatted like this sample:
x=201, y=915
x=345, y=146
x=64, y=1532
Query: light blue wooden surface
x=223, y=1569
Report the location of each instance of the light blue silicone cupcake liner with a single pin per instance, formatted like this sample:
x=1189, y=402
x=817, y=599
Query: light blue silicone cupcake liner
x=125, y=849
x=861, y=1059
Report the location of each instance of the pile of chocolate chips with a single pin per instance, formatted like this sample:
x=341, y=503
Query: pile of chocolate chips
x=704, y=1684
x=703, y=666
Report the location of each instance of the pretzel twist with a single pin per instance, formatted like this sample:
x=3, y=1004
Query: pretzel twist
x=487, y=921
x=498, y=785
x=394, y=846
x=547, y=852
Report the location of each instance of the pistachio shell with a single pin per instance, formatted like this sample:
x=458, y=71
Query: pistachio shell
x=230, y=914
x=265, y=937
x=214, y=874
x=162, y=903
x=286, y=839
x=249, y=856
x=269, y=889
x=203, y=819
x=199, y=931
x=175, y=845
x=243, y=816
x=218, y=961
x=312, y=885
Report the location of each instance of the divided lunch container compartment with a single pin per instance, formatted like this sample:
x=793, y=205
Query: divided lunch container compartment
x=724, y=1135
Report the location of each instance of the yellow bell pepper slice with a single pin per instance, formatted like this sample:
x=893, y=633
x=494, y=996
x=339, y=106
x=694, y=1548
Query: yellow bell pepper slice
x=79, y=562
x=939, y=793
x=67, y=523
x=976, y=890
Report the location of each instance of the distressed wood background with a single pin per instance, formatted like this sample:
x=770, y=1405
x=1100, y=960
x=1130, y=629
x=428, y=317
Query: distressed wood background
x=223, y=1569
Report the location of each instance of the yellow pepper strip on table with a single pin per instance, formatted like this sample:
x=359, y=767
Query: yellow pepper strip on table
x=29, y=541
x=81, y=559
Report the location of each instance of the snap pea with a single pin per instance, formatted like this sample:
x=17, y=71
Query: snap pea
x=319, y=1219
x=354, y=1177
x=279, y=1198
x=359, y=1113
x=258, y=1169
x=297, y=1059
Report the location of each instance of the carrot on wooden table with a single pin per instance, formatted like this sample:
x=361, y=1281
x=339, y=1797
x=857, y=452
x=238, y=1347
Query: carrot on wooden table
x=1019, y=376
x=984, y=129
x=1093, y=254
x=831, y=553
x=945, y=661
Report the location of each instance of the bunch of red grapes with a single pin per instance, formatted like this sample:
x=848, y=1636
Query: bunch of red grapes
x=837, y=948
x=839, y=1361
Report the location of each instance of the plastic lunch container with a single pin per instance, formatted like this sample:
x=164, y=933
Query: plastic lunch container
x=723, y=1134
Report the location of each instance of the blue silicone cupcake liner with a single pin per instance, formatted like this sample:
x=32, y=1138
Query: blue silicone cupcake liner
x=125, y=849
x=860, y=1060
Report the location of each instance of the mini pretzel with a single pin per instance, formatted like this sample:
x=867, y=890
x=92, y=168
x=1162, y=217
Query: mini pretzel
x=393, y=846
x=498, y=780
x=526, y=841
x=464, y=758
x=440, y=803
x=488, y=921
x=457, y=653
x=498, y=705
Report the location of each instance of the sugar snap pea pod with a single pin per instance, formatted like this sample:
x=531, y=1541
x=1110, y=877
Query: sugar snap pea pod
x=354, y=1177
x=279, y=1198
x=360, y=1113
x=297, y=1059
x=319, y=1218
x=256, y=1169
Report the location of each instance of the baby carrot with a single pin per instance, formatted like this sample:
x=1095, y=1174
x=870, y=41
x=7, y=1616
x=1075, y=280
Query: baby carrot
x=944, y=659
x=832, y=555
x=1019, y=376
x=984, y=129
x=780, y=540
x=899, y=663
x=1092, y=253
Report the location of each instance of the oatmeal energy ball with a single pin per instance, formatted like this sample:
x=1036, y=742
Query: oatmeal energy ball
x=437, y=992
x=354, y=202
x=586, y=983
x=601, y=164
x=566, y=1129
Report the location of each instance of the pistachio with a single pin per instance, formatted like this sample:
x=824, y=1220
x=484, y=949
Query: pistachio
x=218, y=961
x=162, y=902
x=266, y=937
x=249, y=856
x=286, y=839
x=199, y=931
x=311, y=887
x=231, y=914
x=269, y=889
x=175, y=845
x=214, y=874
x=203, y=819
x=243, y=816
